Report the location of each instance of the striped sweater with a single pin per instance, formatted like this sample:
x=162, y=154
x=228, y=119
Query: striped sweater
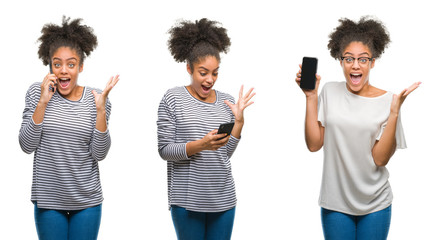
x=67, y=148
x=202, y=182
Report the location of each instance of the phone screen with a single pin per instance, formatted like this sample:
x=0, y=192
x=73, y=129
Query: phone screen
x=226, y=128
x=308, y=71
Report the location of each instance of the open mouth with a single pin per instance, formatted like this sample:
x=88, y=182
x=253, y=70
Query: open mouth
x=356, y=78
x=206, y=89
x=64, y=82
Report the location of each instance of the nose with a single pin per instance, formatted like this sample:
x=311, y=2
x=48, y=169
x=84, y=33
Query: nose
x=355, y=64
x=210, y=79
x=64, y=69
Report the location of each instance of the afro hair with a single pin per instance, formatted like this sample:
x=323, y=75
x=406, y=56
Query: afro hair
x=80, y=38
x=192, y=41
x=369, y=31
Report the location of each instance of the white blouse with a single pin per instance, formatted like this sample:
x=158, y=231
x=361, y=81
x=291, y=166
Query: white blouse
x=351, y=181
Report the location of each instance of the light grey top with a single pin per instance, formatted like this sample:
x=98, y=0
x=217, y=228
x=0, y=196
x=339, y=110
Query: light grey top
x=351, y=181
x=202, y=182
x=67, y=148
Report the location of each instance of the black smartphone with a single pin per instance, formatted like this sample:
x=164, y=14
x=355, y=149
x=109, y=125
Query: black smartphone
x=308, y=71
x=225, y=128
x=50, y=70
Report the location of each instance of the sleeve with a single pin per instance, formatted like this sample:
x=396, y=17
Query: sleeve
x=30, y=133
x=321, y=107
x=101, y=141
x=166, y=129
x=233, y=141
x=399, y=134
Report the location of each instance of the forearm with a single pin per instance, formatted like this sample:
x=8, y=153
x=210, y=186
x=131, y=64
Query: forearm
x=313, y=131
x=100, y=123
x=236, y=130
x=39, y=112
x=194, y=147
x=386, y=145
x=101, y=143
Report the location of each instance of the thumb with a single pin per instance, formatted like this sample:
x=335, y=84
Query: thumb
x=229, y=103
x=96, y=95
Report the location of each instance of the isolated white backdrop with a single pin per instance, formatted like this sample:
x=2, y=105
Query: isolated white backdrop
x=277, y=178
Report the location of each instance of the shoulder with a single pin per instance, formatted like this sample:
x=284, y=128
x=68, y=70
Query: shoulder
x=171, y=95
x=34, y=91
x=224, y=96
x=35, y=87
x=333, y=88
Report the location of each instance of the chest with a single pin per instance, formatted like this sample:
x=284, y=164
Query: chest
x=357, y=116
x=69, y=121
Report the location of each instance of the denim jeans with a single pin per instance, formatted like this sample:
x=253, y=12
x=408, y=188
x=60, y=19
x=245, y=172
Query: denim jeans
x=373, y=226
x=190, y=225
x=62, y=224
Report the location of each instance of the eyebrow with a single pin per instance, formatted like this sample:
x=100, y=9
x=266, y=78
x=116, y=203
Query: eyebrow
x=363, y=53
x=73, y=58
x=208, y=69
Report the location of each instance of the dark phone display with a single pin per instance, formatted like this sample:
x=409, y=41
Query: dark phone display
x=225, y=128
x=308, y=71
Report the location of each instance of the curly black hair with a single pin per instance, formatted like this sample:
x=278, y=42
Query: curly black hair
x=80, y=38
x=367, y=30
x=192, y=41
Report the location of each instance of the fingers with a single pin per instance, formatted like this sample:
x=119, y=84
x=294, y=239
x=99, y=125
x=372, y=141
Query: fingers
x=412, y=88
x=110, y=84
x=240, y=94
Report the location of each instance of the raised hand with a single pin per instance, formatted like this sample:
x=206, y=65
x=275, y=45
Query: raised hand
x=100, y=98
x=398, y=99
x=48, y=82
x=242, y=103
x=308, y=92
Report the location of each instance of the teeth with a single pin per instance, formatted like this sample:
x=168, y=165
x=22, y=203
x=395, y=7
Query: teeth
x=64, y=79
x=354, y=74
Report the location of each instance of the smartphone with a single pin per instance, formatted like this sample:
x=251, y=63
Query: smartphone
x=50, y=70
x=225, y=128
x=308, y=71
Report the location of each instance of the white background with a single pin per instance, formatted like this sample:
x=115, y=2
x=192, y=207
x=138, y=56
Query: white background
x=277, y=178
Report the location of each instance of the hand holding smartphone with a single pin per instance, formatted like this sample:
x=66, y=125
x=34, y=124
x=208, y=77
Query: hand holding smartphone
x=308, y=72
x=225, y=128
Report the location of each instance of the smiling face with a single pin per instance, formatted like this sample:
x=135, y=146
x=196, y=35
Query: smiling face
x=66, y=67
x=357, y=74
x=203, y=77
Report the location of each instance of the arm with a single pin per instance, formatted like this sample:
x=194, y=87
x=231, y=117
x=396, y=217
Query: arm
x=237, y=110
x=34, y=113
x=314, y=132
x=101, y=139
x=385, y=147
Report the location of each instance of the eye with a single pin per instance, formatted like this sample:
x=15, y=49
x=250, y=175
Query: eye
x=349, y=59
x=71, y=65
x=363, y=60
x=57, y=65
x=215, y=74
x=203, y=74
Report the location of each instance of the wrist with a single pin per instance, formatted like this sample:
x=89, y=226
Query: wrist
x=239, y=122
x=42, y=104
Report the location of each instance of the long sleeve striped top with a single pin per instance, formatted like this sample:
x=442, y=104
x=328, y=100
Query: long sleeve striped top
x=67, y=148
x=202, y=182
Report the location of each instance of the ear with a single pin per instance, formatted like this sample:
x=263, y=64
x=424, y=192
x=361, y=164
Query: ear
x=188, y=67
x=80, y=69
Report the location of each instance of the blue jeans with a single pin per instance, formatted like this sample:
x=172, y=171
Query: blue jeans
x=191, y=225
x=63, y=224
x=373, y=226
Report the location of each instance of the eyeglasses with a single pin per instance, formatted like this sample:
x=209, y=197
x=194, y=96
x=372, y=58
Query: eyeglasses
x=362, y=61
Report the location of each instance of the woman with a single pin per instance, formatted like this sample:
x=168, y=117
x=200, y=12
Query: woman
x=65, y=125
x=201, y=189
x=359, y=128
